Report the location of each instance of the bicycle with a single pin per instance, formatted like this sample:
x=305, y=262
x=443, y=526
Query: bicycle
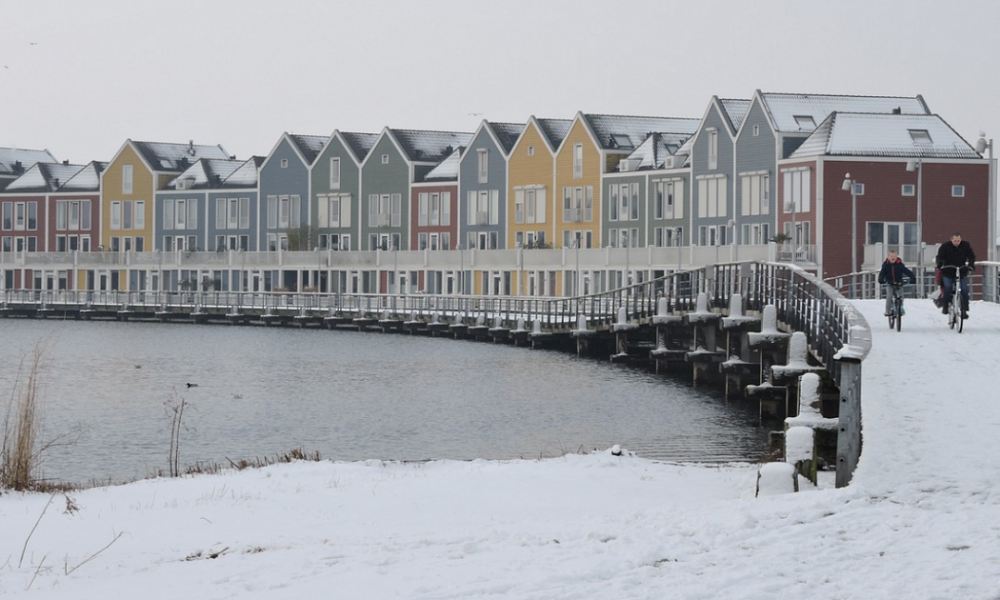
x=896, y=311
x=955, y=311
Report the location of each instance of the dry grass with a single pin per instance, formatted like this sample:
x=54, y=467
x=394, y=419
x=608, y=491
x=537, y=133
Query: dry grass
x=19, y=455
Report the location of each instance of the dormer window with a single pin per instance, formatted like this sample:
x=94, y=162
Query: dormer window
x=621, y=141
x=920, y=136
x=805, y=122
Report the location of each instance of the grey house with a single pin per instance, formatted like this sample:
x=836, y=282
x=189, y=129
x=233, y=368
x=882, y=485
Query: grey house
x=399, y=158
x=182, y=208
x=712, y=172
x=283, y=184
x=774, y=126
x=658, y=173
x=336, y=190
x=483, y=185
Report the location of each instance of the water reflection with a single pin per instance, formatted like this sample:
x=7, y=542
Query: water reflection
x=350, y=396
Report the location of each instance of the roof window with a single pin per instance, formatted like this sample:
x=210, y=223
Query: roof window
x=920, y=136
x=805, y=122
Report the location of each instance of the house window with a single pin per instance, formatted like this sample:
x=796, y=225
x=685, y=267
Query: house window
x=531, y=150
x=578, y=161
x=713, y=149
x=126, y=179
x=284, y=163
x=755, y=193
x=797, y=190
x=666, y=199
x=335, y=173
x=958, y=191
x=8, y=216
x=385, y=210
x=859, y=189
x=920, y=136
x=908, y=189
x=483, y=160
x=712, y=196
x=756, y=130
x=529, y=205
x=385, y=159
x=116, y=215
x=32, y=215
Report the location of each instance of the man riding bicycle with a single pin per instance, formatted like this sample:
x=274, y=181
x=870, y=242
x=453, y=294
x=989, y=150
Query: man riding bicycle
x=893, y=273
x=959, y=254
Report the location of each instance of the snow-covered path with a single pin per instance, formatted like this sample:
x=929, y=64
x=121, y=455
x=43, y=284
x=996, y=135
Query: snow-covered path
x=920, y=520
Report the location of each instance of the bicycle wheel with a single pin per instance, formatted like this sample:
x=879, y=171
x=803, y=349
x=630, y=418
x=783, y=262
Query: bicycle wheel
x=960, y=321
x=951, y=317
x=892, y=318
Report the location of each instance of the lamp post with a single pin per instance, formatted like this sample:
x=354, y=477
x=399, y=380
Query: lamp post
x=851, y=186
x=791, y=207
x=678, y=237
x=576, y=281
x=918, y=166
x=734, y=253
x=628, y=243
x=395, y=268
x=981, y=146
x=461, y=271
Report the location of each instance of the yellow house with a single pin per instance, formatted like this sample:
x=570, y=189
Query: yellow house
x=530, y=181
x=128, y=212
x=595, y=145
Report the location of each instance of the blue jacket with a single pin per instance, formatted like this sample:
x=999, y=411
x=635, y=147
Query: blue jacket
x=894, y=272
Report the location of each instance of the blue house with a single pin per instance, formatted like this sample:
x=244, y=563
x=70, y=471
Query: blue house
x=284, y=188
x=483, y=185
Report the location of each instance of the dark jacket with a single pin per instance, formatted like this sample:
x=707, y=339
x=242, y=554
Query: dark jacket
x=894, y=272
x=958, y=256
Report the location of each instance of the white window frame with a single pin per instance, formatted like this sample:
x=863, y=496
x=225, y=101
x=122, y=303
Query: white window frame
x=713, y=149
x=127, y=179
x=908, y=189
x=958, y=191
x=578, y=161
x=334, y=172
x=712, y=193
x=483, y=162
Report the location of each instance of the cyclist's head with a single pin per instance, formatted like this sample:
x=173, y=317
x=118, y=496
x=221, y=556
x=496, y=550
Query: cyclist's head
x=956, y=238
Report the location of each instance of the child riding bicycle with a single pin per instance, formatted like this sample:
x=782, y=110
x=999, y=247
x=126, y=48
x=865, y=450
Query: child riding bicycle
x=894, y=273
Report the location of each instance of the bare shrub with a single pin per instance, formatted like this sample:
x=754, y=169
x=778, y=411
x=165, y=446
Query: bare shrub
x=22, y=424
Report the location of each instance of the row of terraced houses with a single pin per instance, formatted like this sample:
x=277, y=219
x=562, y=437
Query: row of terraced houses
x=545, y=207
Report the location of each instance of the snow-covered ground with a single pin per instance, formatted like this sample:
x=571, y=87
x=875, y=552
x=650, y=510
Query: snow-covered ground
x=920, y=520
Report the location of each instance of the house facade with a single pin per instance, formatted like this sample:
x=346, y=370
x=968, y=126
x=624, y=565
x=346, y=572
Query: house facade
x=483, y=185
x=336, y=190
x=283, y=183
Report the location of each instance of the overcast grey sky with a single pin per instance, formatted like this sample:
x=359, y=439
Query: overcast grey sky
x=81, y=77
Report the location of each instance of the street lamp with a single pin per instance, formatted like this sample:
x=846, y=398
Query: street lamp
x=461, y=272
x=734, y=255
x=852, y=186
x=791, y=207
x=981, y=146
x=918, y=166
x=395, y=268
x=679, y=238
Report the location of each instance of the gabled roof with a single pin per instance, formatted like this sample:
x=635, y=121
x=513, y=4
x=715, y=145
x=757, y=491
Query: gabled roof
x=176, y=157
x=309, y=146
x=626, y=133
x=10, y=157
x=554, y=130
x=43, y=177
x=801, y=113
x=505, y=134
x=205, y=173
x=428, y=146
x=887, y=135
x=359, y=143
x=447, y=169
x=87, y=179
x=653, y=152
x=246, y=175
x=735, y=109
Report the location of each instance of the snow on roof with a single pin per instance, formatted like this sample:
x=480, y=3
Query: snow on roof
x=623, y=132
x=359, y=143
x=246, y=175
x=902, y=135
x=176, y=157
x=653, y=152
x=447, y=170
x=9, y=157
x=87, y=179
x=205, y=173
x=44, y=177
x=555, y=130
x=803, y=112
x=507, y=134
x=309, y=145
x=429, y=146
x=736, y=109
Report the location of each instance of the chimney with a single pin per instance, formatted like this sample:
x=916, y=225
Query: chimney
x=191, y=147
x=66, y=163
x=897, y=111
